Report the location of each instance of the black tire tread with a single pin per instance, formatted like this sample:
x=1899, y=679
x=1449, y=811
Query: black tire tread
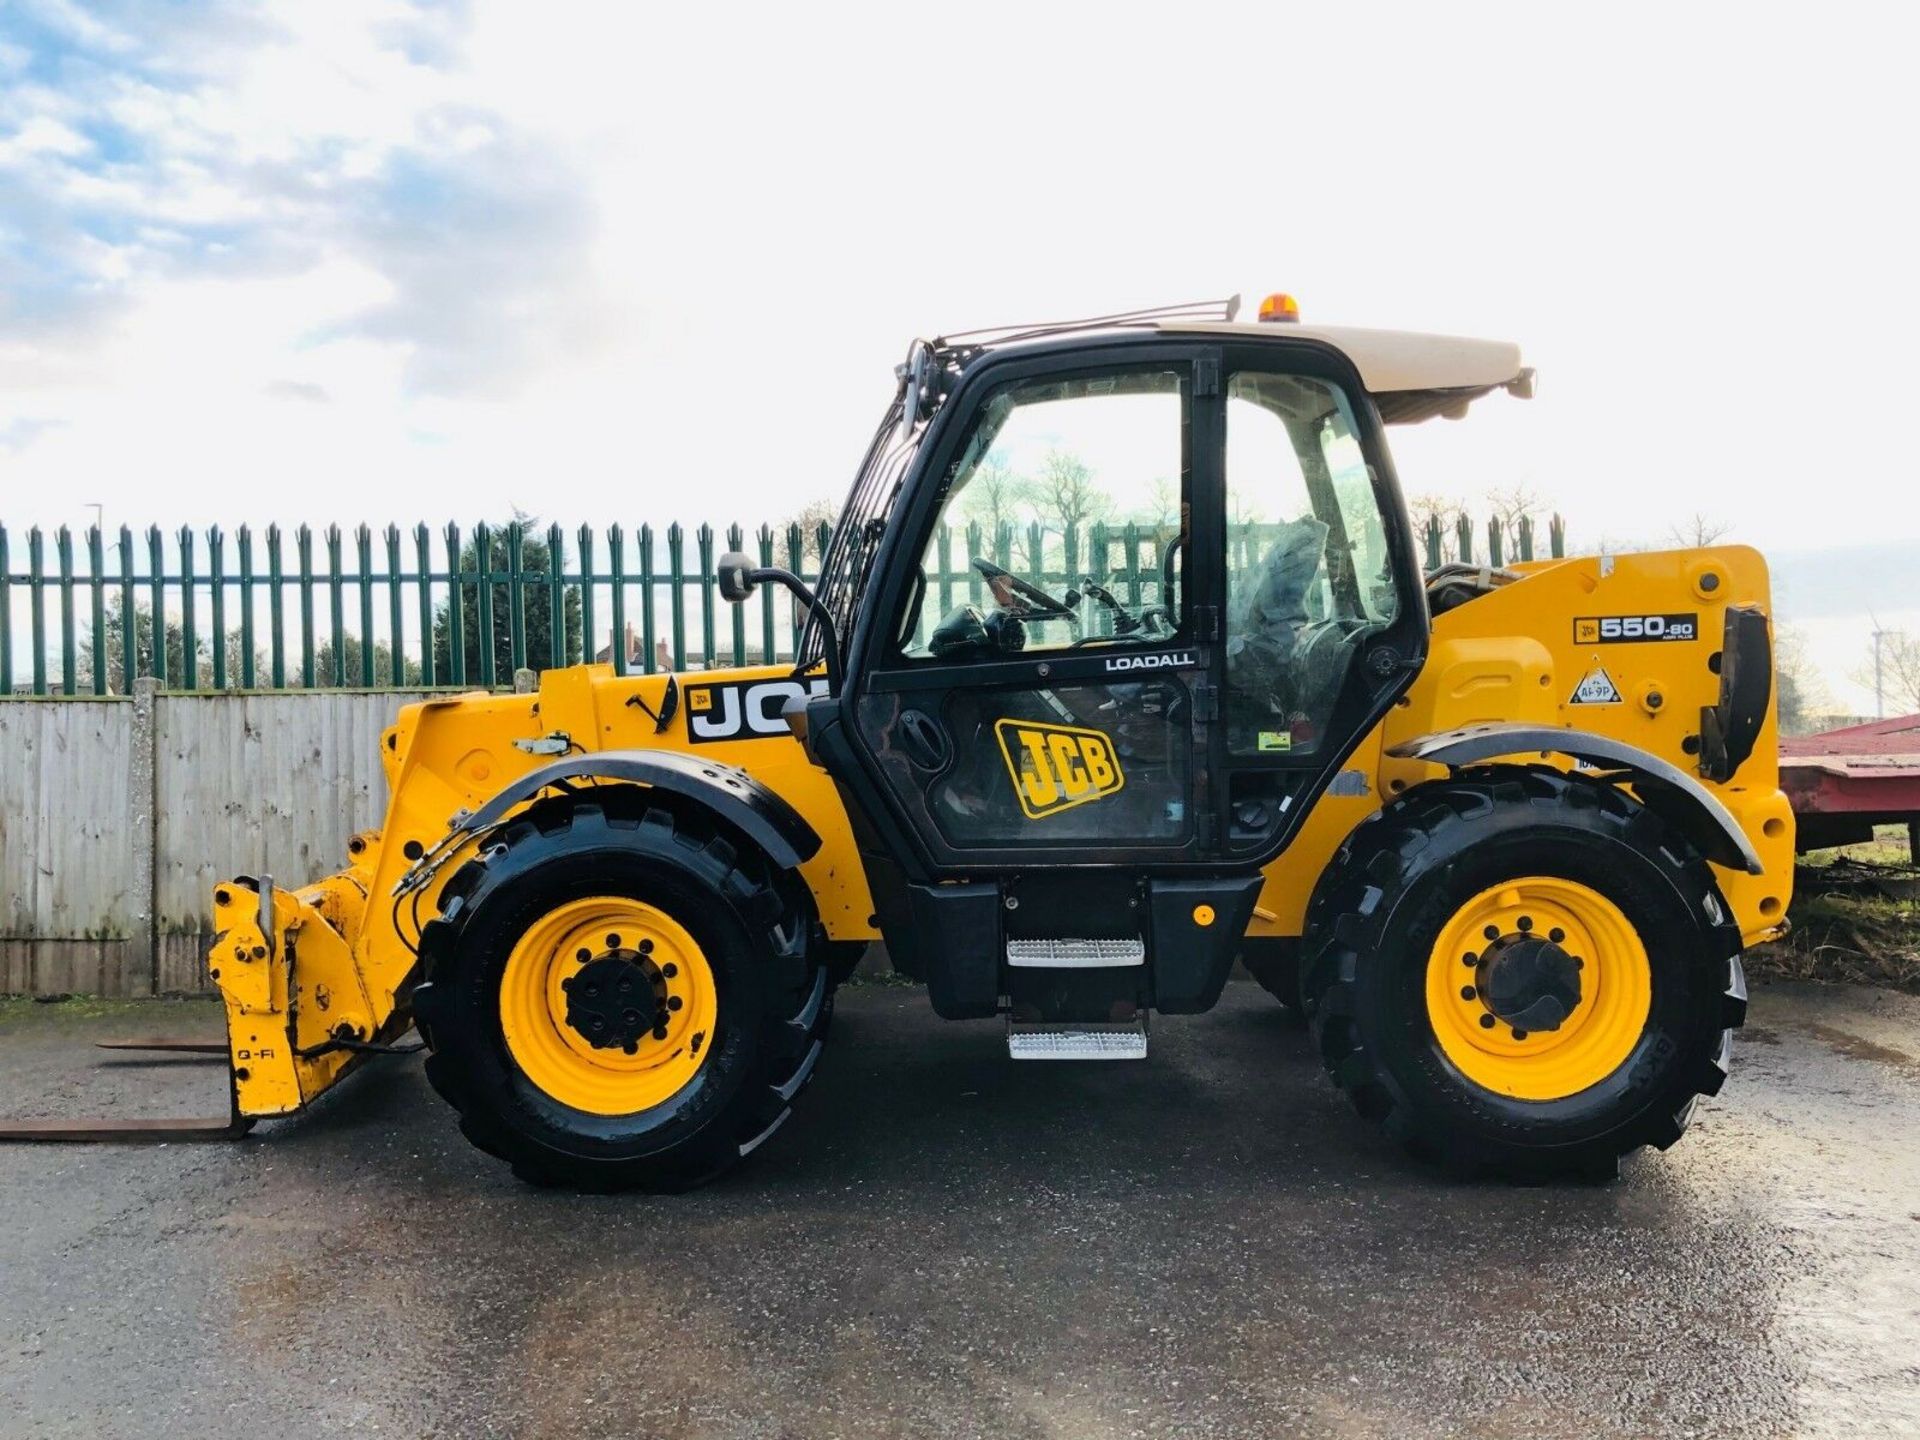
x=737, y=875
x=1381, y=852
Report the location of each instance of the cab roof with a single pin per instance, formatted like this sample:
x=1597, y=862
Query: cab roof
x=1389, y=361
x=1411, y=376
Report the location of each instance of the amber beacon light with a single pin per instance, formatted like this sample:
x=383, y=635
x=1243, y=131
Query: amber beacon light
x=1279, y=309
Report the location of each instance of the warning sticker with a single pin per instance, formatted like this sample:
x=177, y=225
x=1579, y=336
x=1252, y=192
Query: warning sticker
x=1596, y=689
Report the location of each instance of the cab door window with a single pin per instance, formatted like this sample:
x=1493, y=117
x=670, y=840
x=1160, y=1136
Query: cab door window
x=1309, y=578
x=1061, y=522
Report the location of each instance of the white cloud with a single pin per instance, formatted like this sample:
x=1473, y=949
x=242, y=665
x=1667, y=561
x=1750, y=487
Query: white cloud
x=620, y=262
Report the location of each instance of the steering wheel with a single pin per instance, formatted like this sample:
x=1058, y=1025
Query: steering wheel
x=1005, y=585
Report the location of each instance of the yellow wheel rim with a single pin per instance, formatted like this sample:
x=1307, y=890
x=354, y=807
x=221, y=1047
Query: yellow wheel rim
x=608, y=1005
x=1466, y=988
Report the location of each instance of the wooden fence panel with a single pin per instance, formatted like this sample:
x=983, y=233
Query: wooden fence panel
x=68, y=892
x=256, y=784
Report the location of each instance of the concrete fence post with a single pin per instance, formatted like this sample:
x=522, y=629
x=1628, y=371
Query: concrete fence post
x=525, y=681
x=143, y=816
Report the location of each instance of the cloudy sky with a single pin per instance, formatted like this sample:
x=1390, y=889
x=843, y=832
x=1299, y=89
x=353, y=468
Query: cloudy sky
x=365, y=259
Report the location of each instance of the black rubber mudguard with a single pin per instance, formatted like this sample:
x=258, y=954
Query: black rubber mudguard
x=729, y=792
x=1672, y=794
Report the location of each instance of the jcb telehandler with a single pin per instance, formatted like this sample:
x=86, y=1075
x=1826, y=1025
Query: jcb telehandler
x=1499, y=834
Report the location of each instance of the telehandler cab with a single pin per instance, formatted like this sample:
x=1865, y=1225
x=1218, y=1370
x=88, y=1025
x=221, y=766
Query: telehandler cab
x=1498, y=834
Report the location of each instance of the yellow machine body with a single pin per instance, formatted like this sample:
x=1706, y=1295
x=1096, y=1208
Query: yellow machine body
x=314, y=974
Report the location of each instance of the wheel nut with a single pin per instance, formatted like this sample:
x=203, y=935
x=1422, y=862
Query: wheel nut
x=674, y=1002
x=669, y=970
x=583, y=954
x=1468, y=992
x=1556, y=935
x=1492, y=932
x=1519, y=1034
x=1486, y=1022
x=1526, y=922
x=660, y=1032
x=613, y=942
x=646, y=947
x=1469, y=959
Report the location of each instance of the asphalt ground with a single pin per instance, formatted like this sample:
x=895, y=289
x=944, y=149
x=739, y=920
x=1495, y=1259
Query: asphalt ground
x=945, y=1243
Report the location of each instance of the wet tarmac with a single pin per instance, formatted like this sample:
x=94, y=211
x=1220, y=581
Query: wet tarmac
x=943, y=1243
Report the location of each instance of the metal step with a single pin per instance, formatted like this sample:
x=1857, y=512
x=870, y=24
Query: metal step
x=1055, y=1041
x=1066, y=954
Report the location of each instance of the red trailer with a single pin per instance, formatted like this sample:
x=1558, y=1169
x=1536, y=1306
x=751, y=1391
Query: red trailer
x=1844, y=782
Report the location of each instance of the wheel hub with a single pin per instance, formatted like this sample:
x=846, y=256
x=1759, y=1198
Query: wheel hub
x=1528, y=981
x=616, y=999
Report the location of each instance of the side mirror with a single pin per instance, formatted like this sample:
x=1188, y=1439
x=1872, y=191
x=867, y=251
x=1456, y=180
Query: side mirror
x=734, y=574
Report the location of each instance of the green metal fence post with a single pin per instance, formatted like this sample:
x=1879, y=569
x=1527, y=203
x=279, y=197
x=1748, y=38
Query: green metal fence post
x=157, y=586
x=216, y=571
x=1433, y=542
x=1494, y=538
x=796, y=562
x=276, y=609
x=617, y=647
x=516, y=600
x=337, y=606
x=483, y=583
x=129, y=614
x=768, y=651
x=363, y=563
x=703, y=540
x=559, y=650
x=737, y=614
x=303, y=548
x=588, y=650
x=244, y=539
x=396, y=614
x=1557, y=537
x=647, y=639
x=423, y=548
x=1463, y=534
x=37, y=607
x=943, y=559
x=97, y=589
x=189, y=630
x=1526, y=537
x=677, y=596
x=69, y=661
x=456, y=610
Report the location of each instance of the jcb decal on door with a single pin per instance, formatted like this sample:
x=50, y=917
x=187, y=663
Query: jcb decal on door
x=1620, y=629
x=1055, y=767
x=744, y=709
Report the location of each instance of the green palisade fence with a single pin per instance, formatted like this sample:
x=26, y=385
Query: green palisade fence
x=422, y=609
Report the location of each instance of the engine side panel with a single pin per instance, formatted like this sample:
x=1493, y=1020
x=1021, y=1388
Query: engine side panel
x=1628, y=647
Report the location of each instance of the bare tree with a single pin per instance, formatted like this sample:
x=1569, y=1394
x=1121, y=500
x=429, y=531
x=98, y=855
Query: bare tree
x=1510, y=507
x=1698, y=531
x=1895, y=678
x=1424, y=511
x=1066, y=496
x=992, y=496
x=809, y=517
x=1800, y=692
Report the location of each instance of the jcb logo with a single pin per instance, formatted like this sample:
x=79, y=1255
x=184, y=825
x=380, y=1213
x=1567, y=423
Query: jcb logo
x=1055, y=767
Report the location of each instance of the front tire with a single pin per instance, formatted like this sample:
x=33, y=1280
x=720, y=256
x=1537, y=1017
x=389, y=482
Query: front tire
x=618, y=996
x=1523, y=971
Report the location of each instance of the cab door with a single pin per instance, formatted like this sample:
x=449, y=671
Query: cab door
x=1041, y=693
x=1324, y=619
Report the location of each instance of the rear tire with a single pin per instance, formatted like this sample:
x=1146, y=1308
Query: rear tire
x=764, y=986
x=1663, y=995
